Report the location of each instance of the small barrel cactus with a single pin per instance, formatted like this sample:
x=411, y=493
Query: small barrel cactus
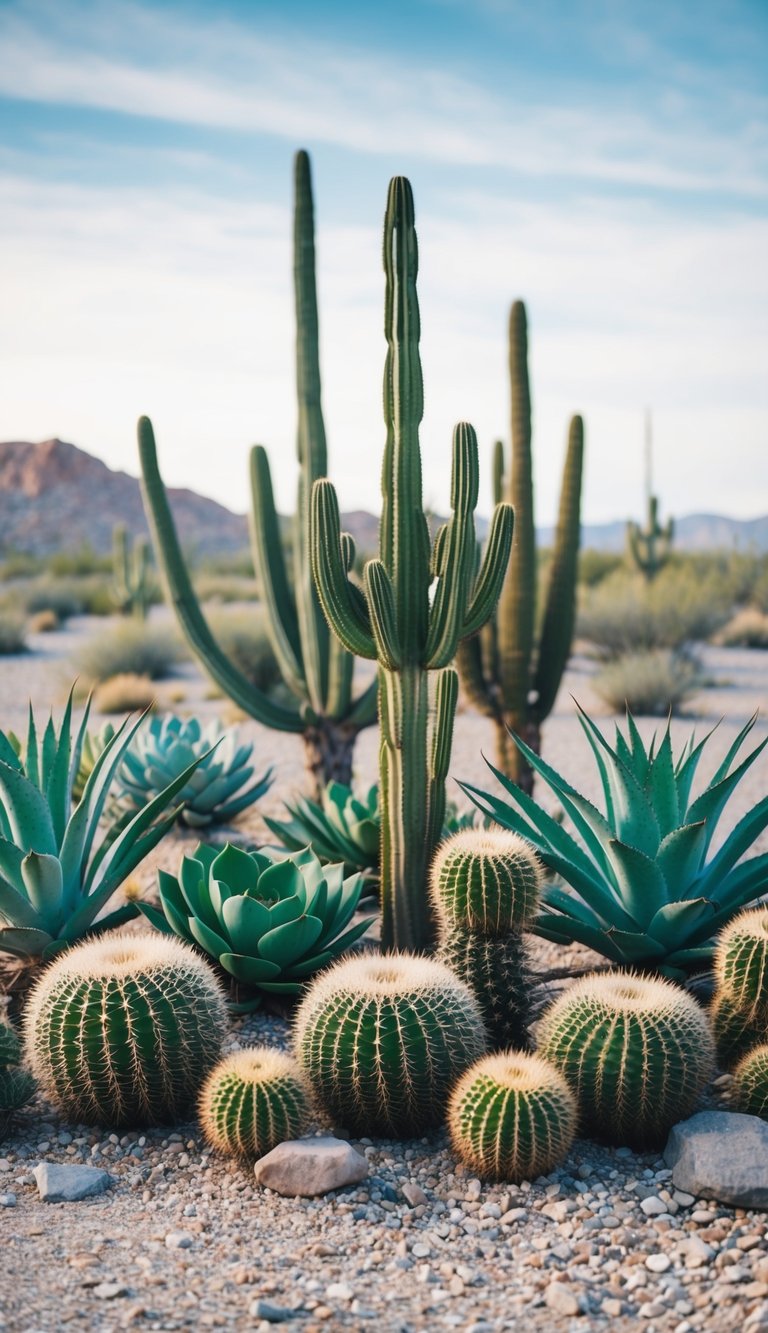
x=487, y=880
x=636, y=1052
x=17, y=1086
x=382, y=1041
x=741, y=959
x=736, y=1030
x=750, y=1083
x=485, y=888
x=511, y=1117
x=122, y=1030
x=252, y=1101
x=220, y=787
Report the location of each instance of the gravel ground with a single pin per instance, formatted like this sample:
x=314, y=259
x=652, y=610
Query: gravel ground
x=185, y=1239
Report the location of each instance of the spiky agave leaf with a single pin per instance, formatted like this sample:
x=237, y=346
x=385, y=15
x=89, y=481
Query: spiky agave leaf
x=340, y=827
x=641, y=889
x=56, y=876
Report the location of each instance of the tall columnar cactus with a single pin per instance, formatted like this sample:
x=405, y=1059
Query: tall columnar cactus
x=650, y=547
x=382, y=1040
x=635, y=1051
x=511, y=1117
x=750, y=1083
x=131, y=580
x=313, y=664
x=122, y=1030
x=485, y=888
x=506, y=672
x=412, y=635
x=252, y=1101
x=740, y=1008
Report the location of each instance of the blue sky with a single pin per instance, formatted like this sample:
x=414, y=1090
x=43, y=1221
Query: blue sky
x=606, y=162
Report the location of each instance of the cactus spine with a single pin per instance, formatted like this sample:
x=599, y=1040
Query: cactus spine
x=252, y=1101
x=635, y=1051
x=508, y=675
x=130, y=573
x=511, y=1117
x=313, y=664
x=749, y=1092
x=382, y=1040
x=485, y=887
x=740, y=1008
x=121, y=1030
x=393, y=620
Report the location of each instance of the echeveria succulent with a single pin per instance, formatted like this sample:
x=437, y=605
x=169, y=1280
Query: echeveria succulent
x=269, y=924
x=218, y=789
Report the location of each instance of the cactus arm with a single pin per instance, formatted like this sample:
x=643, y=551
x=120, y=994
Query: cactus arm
x=381, y=606
x=311, y=443
x=440, y=743
x=343, y=603
x=405, y=546
x=477, y=686
x=269, y=562
x=490, y=579
x=517, y=603
x=186, y=606
x=497, y=472
x=457, y=553
x=560, y=606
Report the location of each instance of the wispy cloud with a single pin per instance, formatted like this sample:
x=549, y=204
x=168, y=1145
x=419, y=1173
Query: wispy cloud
x=235, y=78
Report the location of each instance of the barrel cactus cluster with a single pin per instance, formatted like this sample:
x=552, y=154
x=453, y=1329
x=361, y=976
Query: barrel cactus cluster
x=486, y=886
x=740, y=1006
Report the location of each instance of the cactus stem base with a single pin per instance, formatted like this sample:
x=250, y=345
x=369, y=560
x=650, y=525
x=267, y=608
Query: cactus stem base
x=508, y=757
x=328, y=752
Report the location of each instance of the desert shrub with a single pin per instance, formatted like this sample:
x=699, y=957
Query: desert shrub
x=648, y=683
x=625, y=615
x=96, y=596
x=594, y=565
x=125, y=694
x=61, y=596
x=243, y=637
x=131, y=648
x=43, y=622
x=12, y=634
x=226, y=588
x=747, y=629
x=82, y=560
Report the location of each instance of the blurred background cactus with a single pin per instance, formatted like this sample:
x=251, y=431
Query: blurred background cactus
x=131, y=586
x=507, y=673
x=412, y=630
x=17, y=1086
x=317, y=670
x=650, y=547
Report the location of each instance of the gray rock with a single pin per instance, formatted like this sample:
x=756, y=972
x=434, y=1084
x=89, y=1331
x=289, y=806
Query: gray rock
x=272, y=1314
x=721, y=1155
x=7, y=1200
x=178, y=1240
x=305, y=1167
x=68, y=1184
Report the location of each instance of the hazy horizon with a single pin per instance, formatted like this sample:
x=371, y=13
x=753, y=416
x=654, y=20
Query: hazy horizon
x=610, y=170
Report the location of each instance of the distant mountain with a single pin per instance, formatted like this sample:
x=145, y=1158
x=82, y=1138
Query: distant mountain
x=54, y=496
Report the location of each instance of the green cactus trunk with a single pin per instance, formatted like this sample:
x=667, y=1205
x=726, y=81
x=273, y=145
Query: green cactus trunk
x=414, y=639
x=506, y=673
x=314, y=665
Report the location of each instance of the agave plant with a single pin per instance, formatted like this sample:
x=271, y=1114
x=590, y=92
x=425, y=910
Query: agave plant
x=217, y=790
x=55, y=877
x=644, y=891
x=340, y=827
x=345, y=827
x=269, y=924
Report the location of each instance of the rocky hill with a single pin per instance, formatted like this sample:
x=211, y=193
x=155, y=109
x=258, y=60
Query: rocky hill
x=54, y=496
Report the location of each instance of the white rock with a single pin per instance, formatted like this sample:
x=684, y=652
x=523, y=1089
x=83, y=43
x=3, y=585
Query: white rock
x=339, y=1291
x=653, y=1206
x=68, y=1184
x=658, y=1263
x=414, y=1194
x=305, y=1167
x=178, y=1240
x=560, y=1298
x=109, y=1291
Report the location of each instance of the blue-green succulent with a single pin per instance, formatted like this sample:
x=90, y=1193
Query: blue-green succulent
x=269, y=924
x=219, y=788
